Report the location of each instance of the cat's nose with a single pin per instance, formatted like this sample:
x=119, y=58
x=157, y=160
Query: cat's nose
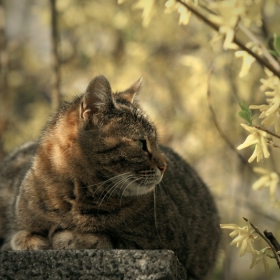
x=162, y=167
x=160, y=162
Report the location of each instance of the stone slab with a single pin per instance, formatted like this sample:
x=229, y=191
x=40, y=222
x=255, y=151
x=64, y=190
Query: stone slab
x=91, y=264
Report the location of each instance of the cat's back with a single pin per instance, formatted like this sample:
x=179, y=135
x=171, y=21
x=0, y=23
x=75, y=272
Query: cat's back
x=184, y=178
x=192, y=205
x=12, y=171
x=187, y=190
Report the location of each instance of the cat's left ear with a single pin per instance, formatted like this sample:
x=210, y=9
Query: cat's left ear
x=130, y=93
x=98, y=95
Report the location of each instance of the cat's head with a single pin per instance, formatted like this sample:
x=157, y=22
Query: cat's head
x=117, y=139
x=105, y=140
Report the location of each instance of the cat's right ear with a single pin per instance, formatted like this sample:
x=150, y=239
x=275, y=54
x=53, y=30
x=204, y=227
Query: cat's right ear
x=130, y=93
x=98, y=94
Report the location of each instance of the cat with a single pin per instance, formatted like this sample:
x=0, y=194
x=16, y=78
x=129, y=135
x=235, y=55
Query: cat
x=98, y=179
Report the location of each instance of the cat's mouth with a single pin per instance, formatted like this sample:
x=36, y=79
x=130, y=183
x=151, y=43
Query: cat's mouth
x=129, y=184
x=143, y=183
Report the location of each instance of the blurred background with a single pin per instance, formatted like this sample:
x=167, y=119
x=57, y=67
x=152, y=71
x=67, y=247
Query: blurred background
x=102, y=37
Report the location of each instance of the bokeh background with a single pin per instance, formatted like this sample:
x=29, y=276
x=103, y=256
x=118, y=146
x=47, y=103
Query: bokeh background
x=102, y=37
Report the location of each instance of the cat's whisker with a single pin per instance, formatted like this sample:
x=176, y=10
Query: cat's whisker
x=106, y=191
x=126, y=189
x=116, y=185
x=104, y=196
x=98, y=188
x=164, y=188
x=162, y=193
x=142, y=184
x=139, y=185
x=110, y=179
x=123, y=181
x=146, y=172
x=101, y=184
x=124, y=184
x=155, y=215
x=110, y=193
x=113, y=188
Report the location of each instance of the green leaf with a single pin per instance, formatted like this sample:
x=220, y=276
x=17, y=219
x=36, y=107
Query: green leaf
x=245, y=112
x=243, y=115
x=276, y=43
x=274, y=53
x=244, y=106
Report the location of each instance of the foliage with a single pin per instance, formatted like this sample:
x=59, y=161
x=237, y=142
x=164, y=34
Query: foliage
x=276, y=45
x=245, y=112
x=228, y=17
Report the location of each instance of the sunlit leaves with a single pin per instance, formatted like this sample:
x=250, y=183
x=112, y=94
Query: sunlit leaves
x=147, y=7
x=276, y=45
x=245, y=112
x=227, y=14
x=185, y=14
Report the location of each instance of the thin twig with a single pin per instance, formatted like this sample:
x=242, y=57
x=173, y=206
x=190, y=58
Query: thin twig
x=266, y=53
x=55, y=92
x=261, y=61
x=222, y=134
x=270, y=142
x=272, y=239
x=267, y=131
x=266, y=240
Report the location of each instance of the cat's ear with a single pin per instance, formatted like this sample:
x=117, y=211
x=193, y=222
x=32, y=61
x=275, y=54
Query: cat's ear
x=130, y=93
x=98, y=94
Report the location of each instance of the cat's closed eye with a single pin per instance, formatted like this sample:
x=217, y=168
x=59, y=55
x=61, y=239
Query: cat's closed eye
x=142, y=144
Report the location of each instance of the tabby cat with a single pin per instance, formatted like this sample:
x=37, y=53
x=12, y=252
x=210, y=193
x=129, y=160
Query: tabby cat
x=98, y=179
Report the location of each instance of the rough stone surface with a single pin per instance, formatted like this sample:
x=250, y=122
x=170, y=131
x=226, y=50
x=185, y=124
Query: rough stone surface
x=90, y=264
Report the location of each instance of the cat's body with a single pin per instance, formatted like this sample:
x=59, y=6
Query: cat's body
x=99, y=180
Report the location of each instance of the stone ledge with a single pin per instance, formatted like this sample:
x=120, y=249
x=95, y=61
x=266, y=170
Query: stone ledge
x=91, y=264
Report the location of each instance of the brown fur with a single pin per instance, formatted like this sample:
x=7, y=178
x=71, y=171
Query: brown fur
x=100, y=180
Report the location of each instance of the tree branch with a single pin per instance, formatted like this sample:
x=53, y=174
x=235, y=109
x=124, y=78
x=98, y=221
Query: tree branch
x=267, y=131
x=56, y=78
x=272, y=239
x=222, y=134
x=266, y=53
x=260, y=60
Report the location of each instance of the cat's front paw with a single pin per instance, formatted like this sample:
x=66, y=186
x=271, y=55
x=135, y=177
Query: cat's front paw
x=72, y=240
x=26, y=240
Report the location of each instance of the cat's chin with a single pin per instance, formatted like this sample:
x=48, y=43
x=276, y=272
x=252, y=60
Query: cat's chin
x=136, y=190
